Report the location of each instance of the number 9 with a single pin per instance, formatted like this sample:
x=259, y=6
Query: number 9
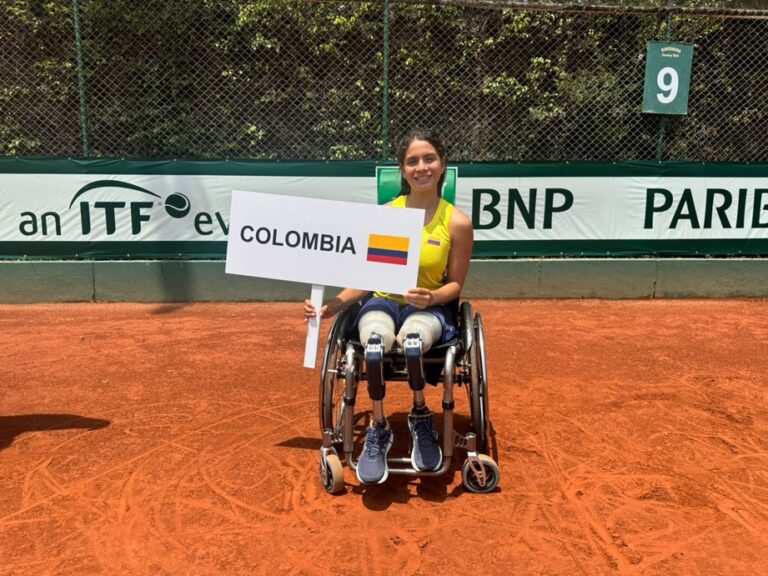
x=668, y=82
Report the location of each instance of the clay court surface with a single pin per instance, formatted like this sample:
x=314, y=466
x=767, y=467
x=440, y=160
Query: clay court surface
x=183, y=439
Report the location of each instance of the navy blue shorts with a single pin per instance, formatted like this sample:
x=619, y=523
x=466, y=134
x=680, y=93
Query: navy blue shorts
x=399, y=312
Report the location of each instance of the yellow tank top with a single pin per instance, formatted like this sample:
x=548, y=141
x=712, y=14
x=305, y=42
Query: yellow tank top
x=435, y=247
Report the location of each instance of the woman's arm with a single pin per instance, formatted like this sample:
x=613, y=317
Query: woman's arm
x=344, y=300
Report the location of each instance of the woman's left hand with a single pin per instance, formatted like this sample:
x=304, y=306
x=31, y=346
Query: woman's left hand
x=419, y=297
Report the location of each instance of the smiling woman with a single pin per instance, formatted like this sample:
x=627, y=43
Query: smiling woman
x=422, y=165
x=421, y=317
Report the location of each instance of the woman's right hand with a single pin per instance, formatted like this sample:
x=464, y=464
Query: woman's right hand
x=310, y=312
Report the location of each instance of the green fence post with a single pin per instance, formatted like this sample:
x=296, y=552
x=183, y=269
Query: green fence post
x=80, y=77
x=385, y=87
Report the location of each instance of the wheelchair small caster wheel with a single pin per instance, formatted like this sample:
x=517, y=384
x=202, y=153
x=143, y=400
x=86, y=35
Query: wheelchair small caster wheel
x=480, y=474
x=331, y=473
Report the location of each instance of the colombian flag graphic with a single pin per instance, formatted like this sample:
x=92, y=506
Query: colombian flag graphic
x=388, y=249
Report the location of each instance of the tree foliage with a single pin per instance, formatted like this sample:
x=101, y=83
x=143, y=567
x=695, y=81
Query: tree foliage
x=272, y=79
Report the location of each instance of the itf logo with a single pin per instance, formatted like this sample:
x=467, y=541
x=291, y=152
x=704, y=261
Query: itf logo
x=104, y=206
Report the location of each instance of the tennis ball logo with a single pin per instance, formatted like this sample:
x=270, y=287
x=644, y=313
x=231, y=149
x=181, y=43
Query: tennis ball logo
x=177, y=205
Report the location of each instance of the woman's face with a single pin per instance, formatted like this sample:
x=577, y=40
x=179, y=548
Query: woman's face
x=422, y=166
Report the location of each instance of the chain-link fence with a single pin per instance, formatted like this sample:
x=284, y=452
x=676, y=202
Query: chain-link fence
x=276, y=79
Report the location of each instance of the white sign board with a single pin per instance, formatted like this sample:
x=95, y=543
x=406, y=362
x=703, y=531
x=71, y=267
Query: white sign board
x=324, y=242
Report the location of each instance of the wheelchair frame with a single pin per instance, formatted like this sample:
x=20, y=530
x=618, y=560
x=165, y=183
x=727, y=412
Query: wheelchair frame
x=463, y=363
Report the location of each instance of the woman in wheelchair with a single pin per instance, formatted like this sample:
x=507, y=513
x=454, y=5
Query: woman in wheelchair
x=421, y=317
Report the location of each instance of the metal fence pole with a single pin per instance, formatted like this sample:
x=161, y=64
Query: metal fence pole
x=663, y=119
x=81, y=78
x=385, y=87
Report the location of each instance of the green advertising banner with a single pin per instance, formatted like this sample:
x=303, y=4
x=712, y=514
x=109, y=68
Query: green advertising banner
x=129, y=209
x=667, y=78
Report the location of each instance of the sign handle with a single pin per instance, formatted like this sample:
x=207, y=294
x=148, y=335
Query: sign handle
x=313, y=327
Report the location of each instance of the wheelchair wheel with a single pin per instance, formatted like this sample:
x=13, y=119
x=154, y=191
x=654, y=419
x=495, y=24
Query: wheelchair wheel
x=473, y=483
x=478, y=393
x=331, y=473
x=332, y=380
x=331, y=384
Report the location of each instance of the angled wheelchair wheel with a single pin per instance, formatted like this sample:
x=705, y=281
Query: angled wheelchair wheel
x=478, y=392
x=332, y=375
x=331, y=383
x=331, y=473
x=481, y=475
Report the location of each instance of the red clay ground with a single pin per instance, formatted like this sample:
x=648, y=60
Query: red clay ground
x=155, y=439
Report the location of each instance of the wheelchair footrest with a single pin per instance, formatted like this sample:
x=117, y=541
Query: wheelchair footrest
x=403, y=466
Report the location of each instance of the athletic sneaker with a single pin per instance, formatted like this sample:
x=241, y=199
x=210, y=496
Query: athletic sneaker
x=372, y=467
x=426, y=454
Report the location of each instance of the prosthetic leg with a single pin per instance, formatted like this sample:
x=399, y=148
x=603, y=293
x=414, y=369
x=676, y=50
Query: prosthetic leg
x=374, y=361
x=426, y=453
x=372, y=467
x=413, y=361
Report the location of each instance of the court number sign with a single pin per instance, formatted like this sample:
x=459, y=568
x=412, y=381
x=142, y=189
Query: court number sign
x=667, y=78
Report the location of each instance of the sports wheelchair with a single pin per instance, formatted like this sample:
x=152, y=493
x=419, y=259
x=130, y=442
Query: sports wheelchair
x=460, y=361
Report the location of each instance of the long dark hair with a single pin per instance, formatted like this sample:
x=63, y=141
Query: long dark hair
x=402, y=148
